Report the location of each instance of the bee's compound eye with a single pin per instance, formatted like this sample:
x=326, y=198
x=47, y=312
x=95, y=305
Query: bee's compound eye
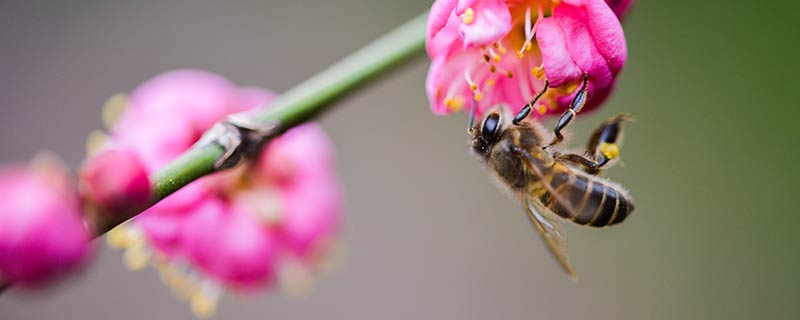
x=491, y=126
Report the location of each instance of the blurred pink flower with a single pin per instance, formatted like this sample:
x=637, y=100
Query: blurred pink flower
x=240, y=229
x=114, y=180
x=502, y=51
x=42, y=233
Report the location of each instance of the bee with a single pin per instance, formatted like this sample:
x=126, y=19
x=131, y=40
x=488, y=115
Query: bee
x=553, y=186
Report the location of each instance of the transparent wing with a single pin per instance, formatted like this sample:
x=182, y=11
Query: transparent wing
x=552, y=232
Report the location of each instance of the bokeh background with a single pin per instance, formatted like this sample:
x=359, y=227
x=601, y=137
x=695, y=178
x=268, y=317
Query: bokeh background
x=711, y=162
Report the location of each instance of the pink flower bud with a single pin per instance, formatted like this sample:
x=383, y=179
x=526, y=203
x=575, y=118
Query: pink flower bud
x=42, y=233
x=115, y=180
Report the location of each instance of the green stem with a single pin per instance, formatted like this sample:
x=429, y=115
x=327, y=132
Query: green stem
x=301, y=103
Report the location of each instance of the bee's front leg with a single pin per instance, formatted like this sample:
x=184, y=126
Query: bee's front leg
x=574, y=107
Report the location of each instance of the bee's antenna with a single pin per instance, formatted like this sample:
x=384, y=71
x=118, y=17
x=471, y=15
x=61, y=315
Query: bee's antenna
x=472, y=116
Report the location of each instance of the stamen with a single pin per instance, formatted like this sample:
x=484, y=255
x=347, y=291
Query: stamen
x=295, y=278
x=204, y=302
x=495, y=56
x=542, y=109
x=114, y=108
x=500, y=48
x=136, y=257
x=468, y=17
x=528, y=34
x=454, y=103
x=538, y=72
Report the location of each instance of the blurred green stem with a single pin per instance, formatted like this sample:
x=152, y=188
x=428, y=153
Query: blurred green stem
x=294, y=107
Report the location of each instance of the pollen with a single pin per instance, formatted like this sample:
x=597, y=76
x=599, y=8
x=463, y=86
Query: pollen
x=114, y=108
x=490, y=82
x=202, y=305
x=538, y=72
x=136, y=258
x=454, y=103
x=509, y=74
x=609, y=150
x=468, y=17
x=477, y=96
x=542, y=109
x=119, y=238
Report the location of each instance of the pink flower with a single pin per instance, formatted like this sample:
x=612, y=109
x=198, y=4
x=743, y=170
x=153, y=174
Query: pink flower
x=42, y=233
x=115, y=180
x=239, y=229
x=501, y=52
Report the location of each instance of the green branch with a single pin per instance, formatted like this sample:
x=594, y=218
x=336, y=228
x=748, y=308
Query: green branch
x=294, y=107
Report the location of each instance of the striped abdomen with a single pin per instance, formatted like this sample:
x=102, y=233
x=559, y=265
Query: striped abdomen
x=592, y=201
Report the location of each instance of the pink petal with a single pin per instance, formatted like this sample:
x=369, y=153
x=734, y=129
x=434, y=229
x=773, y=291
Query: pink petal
x=491, y=22
x=583, y=36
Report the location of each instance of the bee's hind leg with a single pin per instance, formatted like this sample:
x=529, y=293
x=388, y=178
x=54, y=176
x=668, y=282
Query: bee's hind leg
x=603, y=145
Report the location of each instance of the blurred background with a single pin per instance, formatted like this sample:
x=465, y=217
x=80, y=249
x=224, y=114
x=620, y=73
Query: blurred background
x=711, y=162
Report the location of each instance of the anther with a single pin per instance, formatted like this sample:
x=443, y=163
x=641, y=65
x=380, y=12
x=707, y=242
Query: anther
x=468, y=17
x=538, y=72
x=542, y=109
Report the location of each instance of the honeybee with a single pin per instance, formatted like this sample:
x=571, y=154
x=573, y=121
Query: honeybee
x=553, y=186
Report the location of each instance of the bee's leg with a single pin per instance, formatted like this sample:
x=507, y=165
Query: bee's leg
x=589, y=166
x=526, y=110
x=603, y=144
x=574, y=107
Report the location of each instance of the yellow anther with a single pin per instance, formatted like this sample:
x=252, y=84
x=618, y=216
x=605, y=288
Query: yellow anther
x=202, y=305
x=296, y=279
x=477, y=96
x=610, y=150
x=509, y=74
x=500, y=48
x=136, y=258
x=538, y=72
x=114, y=108
x=454, y=103
x=118, y=238
x=490, y=82
x=468, y=17
x=542, y=109
x=95, y=141
x=492, y=68
x=473, y=86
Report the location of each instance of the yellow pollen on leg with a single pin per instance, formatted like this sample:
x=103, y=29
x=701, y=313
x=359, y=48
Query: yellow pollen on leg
x=468, y=17
x=610, y=150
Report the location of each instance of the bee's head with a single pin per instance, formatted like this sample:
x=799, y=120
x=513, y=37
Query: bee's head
x=487, y=132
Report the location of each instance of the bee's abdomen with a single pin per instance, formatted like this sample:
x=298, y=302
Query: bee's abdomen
x=590, y=201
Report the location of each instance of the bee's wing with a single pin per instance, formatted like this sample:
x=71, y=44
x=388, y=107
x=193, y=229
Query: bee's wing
x=552, y=233
x=544, y=220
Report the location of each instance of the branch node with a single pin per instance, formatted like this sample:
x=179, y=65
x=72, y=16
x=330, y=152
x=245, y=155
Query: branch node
x=240, y=136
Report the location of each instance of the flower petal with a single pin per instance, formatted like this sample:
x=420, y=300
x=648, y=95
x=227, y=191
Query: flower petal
x=483, y=22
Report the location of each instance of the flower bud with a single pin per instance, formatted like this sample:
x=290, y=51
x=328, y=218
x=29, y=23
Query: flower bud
x=42, y=233
x=115, y=180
